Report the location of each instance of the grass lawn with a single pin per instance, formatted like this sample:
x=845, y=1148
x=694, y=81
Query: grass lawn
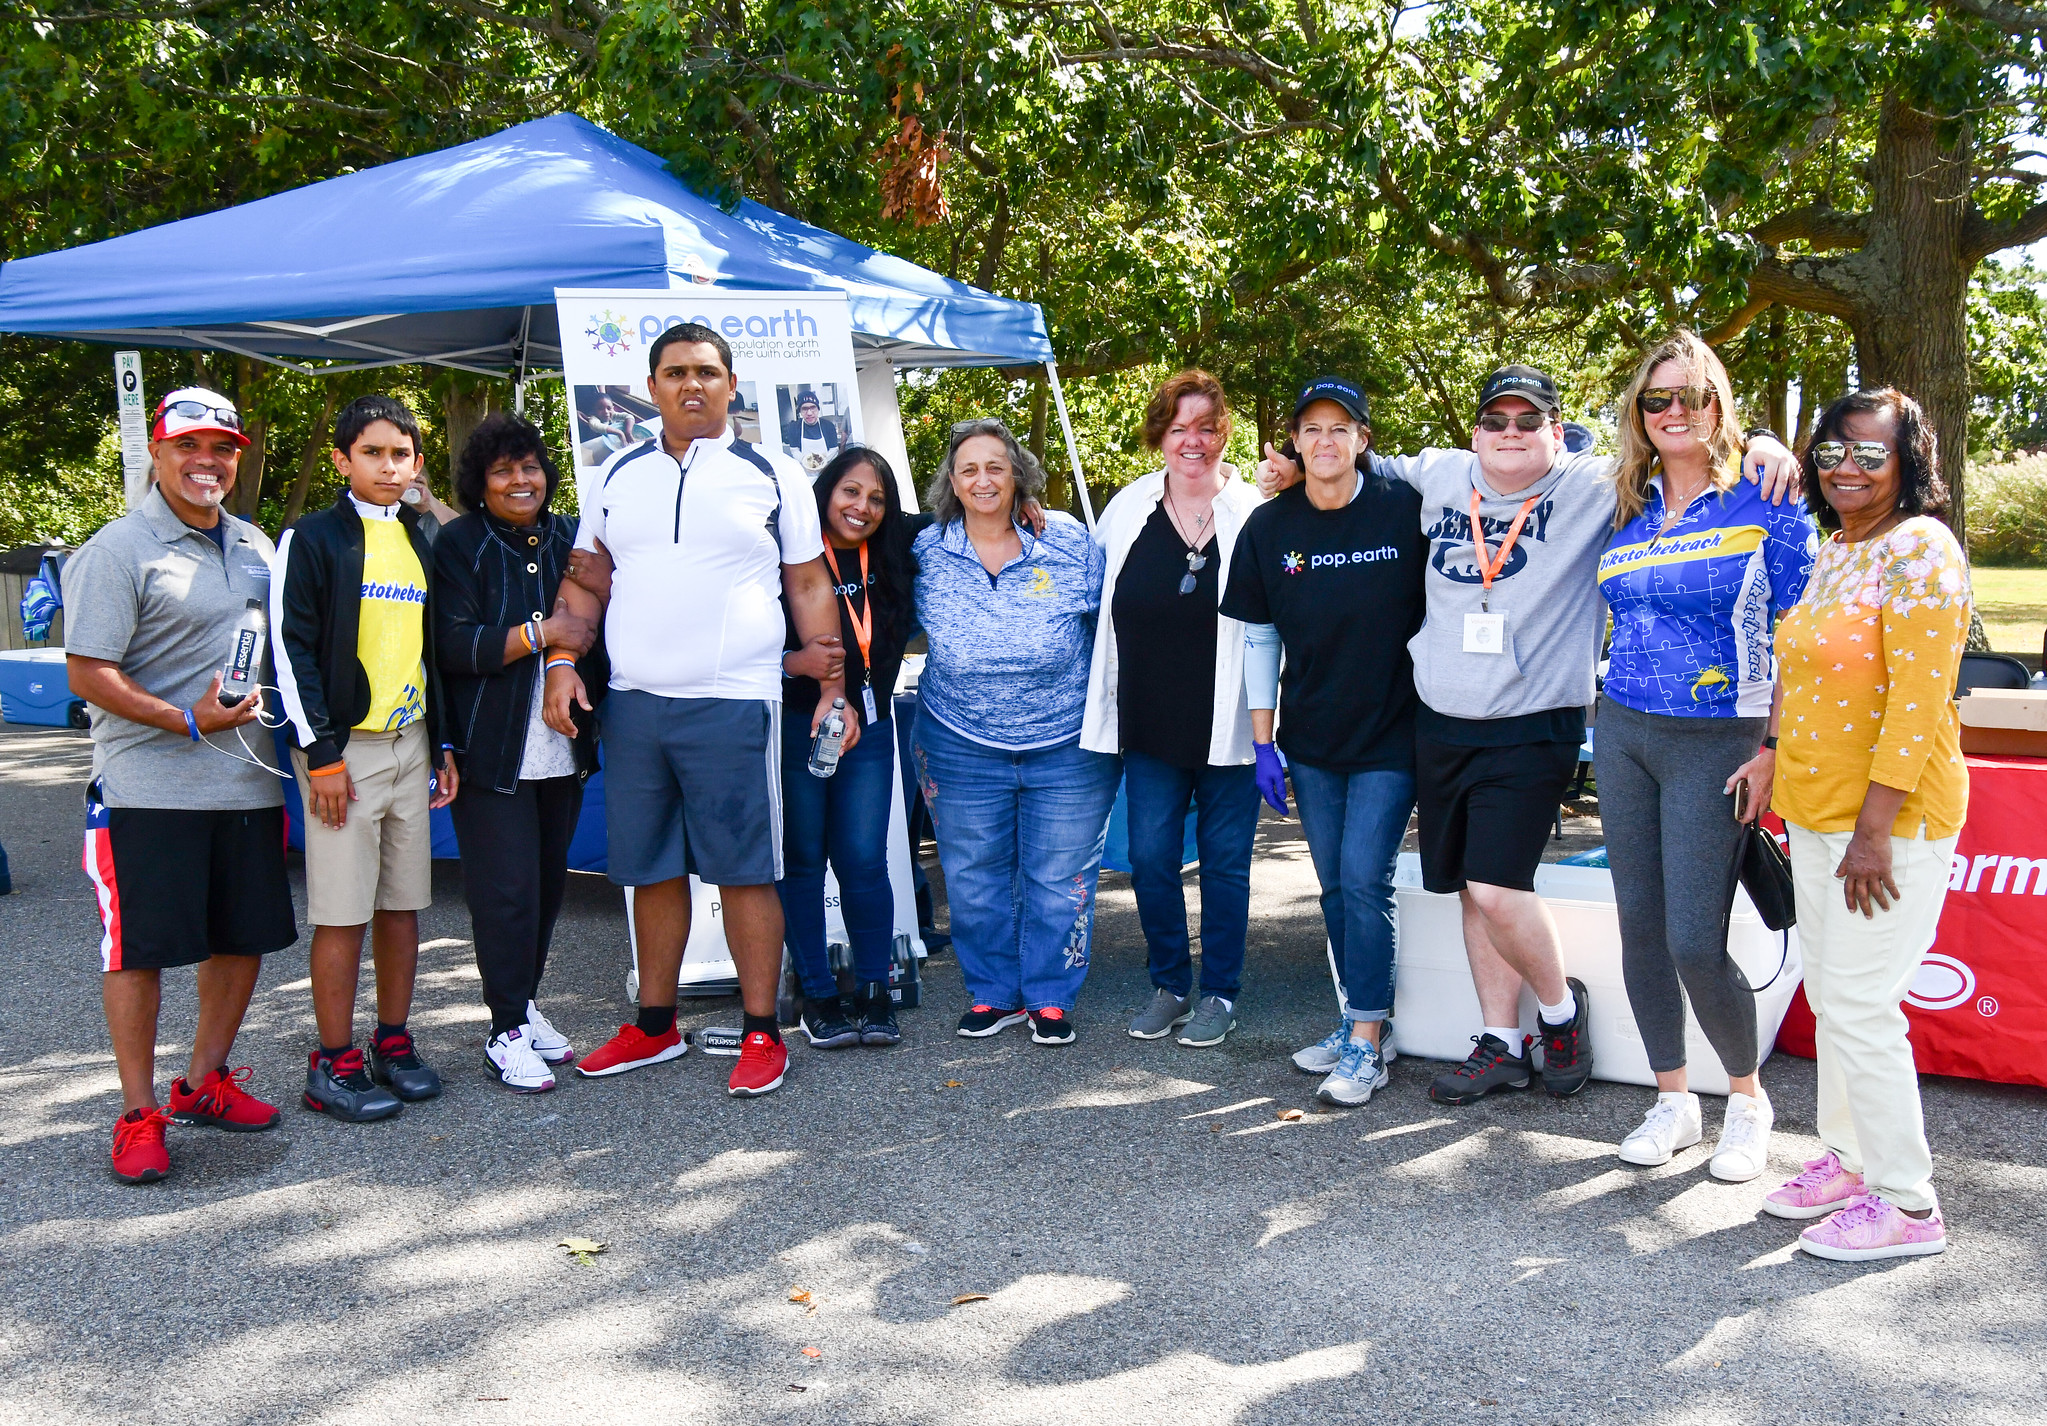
x=2013, y=603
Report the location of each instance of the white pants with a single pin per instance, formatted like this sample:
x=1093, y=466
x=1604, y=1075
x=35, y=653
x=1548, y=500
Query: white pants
x=1857, y=970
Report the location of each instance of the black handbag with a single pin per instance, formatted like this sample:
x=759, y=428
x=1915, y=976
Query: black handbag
x=1766, y=876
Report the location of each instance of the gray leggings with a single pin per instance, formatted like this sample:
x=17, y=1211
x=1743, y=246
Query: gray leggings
x=1671, y=840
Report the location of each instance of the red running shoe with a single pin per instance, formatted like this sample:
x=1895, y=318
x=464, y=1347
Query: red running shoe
x=220, y=1102
x=139, y=1152
x=633, y=1048
x=763, y=1064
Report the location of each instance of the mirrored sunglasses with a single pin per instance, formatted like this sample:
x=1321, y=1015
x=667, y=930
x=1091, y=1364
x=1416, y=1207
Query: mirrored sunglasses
x=224, y=416
x=1869, y=456
x=1656, y=399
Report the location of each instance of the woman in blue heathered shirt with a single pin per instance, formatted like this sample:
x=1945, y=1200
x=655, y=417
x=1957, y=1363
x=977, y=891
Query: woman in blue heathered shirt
x=1699, y=567
x=1019, y=807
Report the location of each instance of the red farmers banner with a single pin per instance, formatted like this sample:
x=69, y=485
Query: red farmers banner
x=1978, y=1006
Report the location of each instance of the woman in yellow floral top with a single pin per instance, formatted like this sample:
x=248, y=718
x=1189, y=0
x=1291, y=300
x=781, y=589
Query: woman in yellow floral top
x=1870, y=782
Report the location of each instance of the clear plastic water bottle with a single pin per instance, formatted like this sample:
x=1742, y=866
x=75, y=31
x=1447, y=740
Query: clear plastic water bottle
x=824, y=743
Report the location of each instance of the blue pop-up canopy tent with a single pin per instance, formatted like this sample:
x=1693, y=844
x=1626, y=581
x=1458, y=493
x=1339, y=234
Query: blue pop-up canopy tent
x=452, y=259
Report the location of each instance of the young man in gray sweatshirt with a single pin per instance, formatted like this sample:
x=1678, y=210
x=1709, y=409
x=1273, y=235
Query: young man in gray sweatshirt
x=1504, y=664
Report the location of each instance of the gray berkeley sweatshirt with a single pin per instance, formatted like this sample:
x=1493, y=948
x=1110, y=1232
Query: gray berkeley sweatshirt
x=1548, y=590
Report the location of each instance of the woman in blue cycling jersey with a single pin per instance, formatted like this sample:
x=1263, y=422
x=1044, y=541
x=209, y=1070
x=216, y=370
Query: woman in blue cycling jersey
x=1699, y=567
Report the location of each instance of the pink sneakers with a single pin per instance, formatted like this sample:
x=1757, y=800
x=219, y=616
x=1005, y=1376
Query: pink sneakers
x=1870, y=1228
x=1822, y=1188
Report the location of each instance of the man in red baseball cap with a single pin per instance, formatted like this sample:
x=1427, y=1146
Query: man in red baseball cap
x=184, y=840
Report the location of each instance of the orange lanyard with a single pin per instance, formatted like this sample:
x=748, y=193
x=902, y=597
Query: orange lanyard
x=1487, y=571
x=863, y=619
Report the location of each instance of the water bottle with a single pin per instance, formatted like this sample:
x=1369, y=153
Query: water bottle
x=824, y=744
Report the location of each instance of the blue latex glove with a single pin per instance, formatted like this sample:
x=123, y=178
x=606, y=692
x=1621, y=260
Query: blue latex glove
x=1270, y=777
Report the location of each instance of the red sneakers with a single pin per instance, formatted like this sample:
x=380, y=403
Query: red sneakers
x=221, y=1103
x=139, y=1152
x=630, y=1049
x=763, y=1064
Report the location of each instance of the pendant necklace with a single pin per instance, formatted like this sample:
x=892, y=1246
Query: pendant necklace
x=1195, y=559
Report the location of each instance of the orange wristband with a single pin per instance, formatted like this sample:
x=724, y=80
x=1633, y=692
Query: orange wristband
x=327, y=771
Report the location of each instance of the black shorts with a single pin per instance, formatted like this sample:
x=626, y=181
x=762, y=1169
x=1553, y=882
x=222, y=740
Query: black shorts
x=1487, y=813
x=176, y=887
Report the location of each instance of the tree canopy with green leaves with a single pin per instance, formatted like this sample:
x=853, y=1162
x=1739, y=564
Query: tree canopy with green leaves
x=1407, y=192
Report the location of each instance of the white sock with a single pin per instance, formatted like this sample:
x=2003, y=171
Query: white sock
x=1226, y=1002
x=1509, y=1036
x=1562, y=1013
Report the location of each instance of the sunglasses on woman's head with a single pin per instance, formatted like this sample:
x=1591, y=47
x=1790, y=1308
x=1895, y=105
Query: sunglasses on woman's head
x=1520, y=421
x=1869, y=456
x=1656, y=399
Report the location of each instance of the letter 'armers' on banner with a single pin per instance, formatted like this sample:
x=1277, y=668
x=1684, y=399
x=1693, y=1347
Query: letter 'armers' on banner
x=795, y=397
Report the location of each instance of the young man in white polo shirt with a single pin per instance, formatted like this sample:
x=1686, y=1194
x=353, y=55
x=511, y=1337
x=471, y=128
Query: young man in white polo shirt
x=707, y=536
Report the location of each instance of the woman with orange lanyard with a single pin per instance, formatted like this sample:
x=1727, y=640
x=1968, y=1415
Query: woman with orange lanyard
x=845, y=816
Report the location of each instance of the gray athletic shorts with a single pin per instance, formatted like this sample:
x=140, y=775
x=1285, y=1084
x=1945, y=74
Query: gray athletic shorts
x=692, y=785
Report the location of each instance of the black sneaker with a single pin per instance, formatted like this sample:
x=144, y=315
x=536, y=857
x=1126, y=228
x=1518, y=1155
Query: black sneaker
x=828, y=1024
x=1491, y=1066
x=877, y=1015
x=342, y=1089
x=985, y=1020
x=1051, y=1027
x=1566, y=1053
x=395, y=1062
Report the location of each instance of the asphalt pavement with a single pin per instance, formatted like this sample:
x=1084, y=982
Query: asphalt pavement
x=982, y=1232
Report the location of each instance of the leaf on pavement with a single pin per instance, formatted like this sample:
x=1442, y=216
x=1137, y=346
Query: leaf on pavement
x=812, y=1352
x=953, y=1084
x=582, y=1251
x=799, y=1294
x=1289, y=1115
x=967, y=1297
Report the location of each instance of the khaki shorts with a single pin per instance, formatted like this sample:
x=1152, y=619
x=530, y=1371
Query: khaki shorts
x=381, y=857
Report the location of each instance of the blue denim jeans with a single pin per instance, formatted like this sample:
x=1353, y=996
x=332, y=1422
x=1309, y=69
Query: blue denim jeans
x=1225, y=800
x=1354, y=822
x=844, y=817
x=1020, y=838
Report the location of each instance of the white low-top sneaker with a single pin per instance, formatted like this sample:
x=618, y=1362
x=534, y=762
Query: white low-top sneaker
x=1671, y=1124
x=549, y=1043
x=1744, y=1148
x=519, y=1067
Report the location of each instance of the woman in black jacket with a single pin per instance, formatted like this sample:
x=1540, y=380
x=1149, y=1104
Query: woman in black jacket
x=496, y=572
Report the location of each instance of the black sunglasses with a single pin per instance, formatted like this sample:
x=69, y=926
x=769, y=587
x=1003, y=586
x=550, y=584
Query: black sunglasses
x=198, y=410
x=1520, y=421
x=1869, y=456
x=1656, y=399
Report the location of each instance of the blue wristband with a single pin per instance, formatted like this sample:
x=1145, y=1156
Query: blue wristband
x=191, y=725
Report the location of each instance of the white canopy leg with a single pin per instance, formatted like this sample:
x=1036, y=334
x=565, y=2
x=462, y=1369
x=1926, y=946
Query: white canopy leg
x=1087, y=505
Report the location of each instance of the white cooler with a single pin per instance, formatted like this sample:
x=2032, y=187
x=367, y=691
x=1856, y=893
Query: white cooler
x=1436, y=1009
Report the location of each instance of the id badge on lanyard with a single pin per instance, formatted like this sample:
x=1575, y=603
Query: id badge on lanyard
x=863, y=632
x=1485, y=630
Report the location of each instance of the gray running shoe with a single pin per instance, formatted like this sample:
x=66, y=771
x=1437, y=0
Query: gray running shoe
x=1157, y=1020
x=1321, y=1057
x=1213, y=1020
x=1358, y=1072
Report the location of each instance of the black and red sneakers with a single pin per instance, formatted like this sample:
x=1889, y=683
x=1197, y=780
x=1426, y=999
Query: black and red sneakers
x=1490, y=1066
x=1566, y=1055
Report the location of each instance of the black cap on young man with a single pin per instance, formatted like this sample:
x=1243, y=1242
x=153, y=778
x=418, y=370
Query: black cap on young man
x=1526, y=382
x=1333, y=388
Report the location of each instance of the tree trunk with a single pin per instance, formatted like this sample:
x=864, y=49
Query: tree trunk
x=317, y=444
x=248, y=491
x=1912, y=331
x=467, y=401
x=1777, y=391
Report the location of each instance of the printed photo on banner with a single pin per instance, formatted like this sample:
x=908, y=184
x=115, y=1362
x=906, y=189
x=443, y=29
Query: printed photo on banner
x=795, y=394
x=815, y=422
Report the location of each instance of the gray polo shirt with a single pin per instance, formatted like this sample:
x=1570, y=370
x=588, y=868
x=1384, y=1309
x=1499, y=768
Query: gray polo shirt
x=159, y=598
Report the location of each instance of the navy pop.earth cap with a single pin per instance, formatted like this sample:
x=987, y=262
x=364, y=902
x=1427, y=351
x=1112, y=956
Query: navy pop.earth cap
x=1526, y=382
x=1333, y=388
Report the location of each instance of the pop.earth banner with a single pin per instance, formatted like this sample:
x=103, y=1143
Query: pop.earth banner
x=796, y=398
x=1978, y=1005
x=795, y=394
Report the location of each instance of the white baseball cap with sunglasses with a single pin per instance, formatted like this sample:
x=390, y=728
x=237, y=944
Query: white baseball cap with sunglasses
x=191, y=409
